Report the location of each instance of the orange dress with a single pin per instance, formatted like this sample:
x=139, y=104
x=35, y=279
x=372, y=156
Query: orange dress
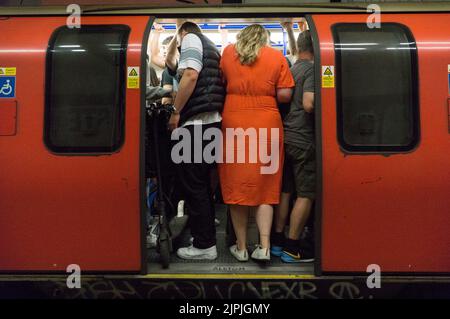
x=251, y=106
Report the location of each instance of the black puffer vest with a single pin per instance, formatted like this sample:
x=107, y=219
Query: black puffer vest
x=209, y=92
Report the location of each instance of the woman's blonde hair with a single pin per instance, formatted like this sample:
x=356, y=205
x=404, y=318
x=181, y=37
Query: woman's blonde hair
x=249, y=41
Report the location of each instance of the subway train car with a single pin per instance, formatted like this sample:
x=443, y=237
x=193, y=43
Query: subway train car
x=72, y=126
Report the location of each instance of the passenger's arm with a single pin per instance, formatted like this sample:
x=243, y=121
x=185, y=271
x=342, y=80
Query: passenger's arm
x=308, y=90
x=223, y=37
x=285, y=82
x=172, y=55
x=308, y=102
x=185, y=88
x=157, y=59
x=288, y=26
x=284, y=95
x=172, y=50
x=167, y=100
x=153, y=93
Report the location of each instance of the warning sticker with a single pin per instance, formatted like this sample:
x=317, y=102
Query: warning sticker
x=328, y=76
x=7, y=71
x=133, y=77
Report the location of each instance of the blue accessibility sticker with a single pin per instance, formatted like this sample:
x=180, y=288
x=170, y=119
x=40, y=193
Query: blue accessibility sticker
x=7, y=86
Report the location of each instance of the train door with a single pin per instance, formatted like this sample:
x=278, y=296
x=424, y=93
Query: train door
x=383, y=139
x=223, y=31
x=71, y=173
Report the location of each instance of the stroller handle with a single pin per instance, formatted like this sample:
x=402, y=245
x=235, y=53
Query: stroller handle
x=158, y=109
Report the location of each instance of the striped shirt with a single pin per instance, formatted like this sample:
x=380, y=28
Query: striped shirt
x=191, y=53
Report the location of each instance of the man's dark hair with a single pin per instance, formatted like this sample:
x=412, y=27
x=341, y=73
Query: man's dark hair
x=190, y=27
x=304, y=42
x=167, y=40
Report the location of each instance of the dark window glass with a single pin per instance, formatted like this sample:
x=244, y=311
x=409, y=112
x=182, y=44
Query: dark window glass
x=377, y=102
x=85, y=89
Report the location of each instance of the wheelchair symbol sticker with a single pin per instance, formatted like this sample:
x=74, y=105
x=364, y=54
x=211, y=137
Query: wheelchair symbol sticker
x=7, y=86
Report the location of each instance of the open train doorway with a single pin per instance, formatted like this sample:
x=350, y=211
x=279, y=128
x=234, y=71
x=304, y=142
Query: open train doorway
x=222, y=32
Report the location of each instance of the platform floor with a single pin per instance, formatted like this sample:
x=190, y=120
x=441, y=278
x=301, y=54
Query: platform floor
x=225, y=262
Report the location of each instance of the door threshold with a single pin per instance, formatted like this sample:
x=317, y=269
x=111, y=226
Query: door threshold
x=231, y=270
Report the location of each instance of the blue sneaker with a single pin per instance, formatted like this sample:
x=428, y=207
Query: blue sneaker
x=288, y=257
x=276, y=251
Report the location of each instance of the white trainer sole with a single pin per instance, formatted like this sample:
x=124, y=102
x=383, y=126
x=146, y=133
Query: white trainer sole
x=199, y=257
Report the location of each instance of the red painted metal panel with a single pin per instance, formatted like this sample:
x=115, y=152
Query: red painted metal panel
x=448, y=113
x=390, y=210
x=8, y=117
x=60, y=210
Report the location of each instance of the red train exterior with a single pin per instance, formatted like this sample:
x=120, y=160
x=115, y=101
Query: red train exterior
x=53, y=207
x=390, y=210
x=387, y=209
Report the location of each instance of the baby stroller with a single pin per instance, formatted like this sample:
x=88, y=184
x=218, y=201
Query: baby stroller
x=158, y=166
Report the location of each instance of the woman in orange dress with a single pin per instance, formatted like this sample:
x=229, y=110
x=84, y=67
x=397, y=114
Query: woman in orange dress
x=257, y=77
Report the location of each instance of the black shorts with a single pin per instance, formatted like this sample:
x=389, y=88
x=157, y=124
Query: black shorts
x=299, y=171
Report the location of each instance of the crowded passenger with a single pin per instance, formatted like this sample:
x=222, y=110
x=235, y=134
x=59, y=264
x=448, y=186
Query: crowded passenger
x=256, y=77
x=256, y=84
x=299, y=166
x=168, y=82
x=291, y=53
x=159, y=52
x=198, y=103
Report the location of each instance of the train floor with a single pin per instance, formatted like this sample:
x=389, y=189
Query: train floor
x=225, y=262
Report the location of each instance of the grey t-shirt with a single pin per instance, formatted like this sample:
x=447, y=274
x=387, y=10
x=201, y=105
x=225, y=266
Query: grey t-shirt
x=298, y=124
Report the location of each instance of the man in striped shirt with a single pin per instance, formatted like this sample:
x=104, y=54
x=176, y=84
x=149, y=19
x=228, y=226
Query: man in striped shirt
x=198, y=102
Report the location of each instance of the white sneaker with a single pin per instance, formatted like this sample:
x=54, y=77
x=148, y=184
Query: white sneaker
x=241, y=255
x=261, y=254
x=192, y=252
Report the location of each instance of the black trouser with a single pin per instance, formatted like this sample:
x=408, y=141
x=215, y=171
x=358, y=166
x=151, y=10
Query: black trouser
x=196, y=184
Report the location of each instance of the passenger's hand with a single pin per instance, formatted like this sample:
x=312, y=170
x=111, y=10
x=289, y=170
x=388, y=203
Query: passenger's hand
x=173, y=121
x=287, y=25
x=302, y=24
x=158, y=28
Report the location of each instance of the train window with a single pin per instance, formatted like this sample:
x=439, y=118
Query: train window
x=85, y=90
x=377, y=88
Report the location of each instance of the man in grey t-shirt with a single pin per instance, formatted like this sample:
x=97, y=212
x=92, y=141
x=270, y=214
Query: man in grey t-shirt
x=299, y=122
x=299, y=164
